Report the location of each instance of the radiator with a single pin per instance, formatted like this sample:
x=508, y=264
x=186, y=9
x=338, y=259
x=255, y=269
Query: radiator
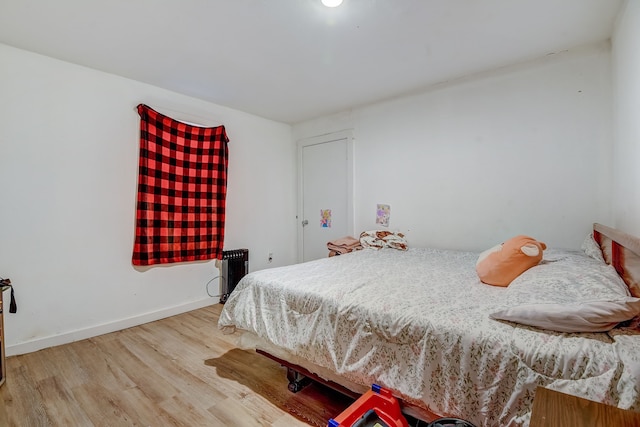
x=233, y=266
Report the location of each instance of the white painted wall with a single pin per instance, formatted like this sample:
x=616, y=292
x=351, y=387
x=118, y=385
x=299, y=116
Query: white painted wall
x=68, y=167
x=521, y=150
x=626, y=93
x=525, y=149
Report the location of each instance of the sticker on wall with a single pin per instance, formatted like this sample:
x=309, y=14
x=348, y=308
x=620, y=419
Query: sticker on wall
x=325, y=218
x=382, y=215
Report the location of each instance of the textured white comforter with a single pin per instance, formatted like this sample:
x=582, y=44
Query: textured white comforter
x=418, y=323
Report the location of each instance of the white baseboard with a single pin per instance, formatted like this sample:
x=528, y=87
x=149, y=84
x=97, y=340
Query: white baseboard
x=52, y=341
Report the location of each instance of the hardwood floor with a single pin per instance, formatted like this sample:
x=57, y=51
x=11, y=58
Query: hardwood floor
x=179, y=371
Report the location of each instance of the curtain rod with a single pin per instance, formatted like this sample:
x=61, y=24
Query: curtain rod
x=189, y=115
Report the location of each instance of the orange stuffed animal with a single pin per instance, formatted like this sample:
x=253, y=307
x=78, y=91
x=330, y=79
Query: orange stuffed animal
x=501, y=264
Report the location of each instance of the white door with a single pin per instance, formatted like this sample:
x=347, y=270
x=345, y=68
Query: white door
x=326, y=186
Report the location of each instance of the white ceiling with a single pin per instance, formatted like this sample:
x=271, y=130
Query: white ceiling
x=292, y=60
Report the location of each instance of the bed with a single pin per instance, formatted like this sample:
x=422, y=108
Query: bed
x=421, y=323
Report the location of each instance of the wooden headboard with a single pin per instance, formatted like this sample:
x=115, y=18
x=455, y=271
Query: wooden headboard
x=622, y=251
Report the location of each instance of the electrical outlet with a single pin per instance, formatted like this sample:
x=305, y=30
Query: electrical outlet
x=270, y=256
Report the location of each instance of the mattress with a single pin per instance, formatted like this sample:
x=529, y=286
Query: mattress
x=417, y=322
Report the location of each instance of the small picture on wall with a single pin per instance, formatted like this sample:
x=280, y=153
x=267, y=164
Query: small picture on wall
x=382, y=215
x=325, y=218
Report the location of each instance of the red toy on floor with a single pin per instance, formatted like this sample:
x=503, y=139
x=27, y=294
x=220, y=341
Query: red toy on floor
x=376, y=408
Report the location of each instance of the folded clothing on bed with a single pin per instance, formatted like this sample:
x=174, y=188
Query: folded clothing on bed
x=378, y=239
x=343, y=245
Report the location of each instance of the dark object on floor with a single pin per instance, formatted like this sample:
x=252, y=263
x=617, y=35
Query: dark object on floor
x=450, y=422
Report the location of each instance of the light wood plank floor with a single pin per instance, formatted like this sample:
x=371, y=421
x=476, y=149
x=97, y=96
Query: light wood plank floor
x=179, y=371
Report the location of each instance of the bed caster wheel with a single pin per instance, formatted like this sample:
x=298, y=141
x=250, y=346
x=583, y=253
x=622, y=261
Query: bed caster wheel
x=297, y=381
x=294, y=387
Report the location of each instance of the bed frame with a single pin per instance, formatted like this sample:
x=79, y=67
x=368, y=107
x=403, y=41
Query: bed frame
x=619, y=249
x=299, y=377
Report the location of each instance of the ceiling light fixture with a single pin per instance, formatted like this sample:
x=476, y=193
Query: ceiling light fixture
x=332, y=3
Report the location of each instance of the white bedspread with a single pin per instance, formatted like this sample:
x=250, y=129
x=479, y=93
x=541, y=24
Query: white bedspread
x=418, y=323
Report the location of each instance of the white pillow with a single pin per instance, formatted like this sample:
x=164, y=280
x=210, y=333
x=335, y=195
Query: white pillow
x=593, y=316
x=569, y=292
x=592, y=248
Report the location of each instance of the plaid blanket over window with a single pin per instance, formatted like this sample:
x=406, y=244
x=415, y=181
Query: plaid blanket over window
x=182, y=188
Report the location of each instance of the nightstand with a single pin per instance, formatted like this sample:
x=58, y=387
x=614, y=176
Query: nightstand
x=554, y=409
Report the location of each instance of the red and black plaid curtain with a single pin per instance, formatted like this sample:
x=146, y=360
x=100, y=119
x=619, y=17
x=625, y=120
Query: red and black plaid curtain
x=182, y=188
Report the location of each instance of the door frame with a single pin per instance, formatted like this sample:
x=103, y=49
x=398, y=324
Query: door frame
x=323, y=139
